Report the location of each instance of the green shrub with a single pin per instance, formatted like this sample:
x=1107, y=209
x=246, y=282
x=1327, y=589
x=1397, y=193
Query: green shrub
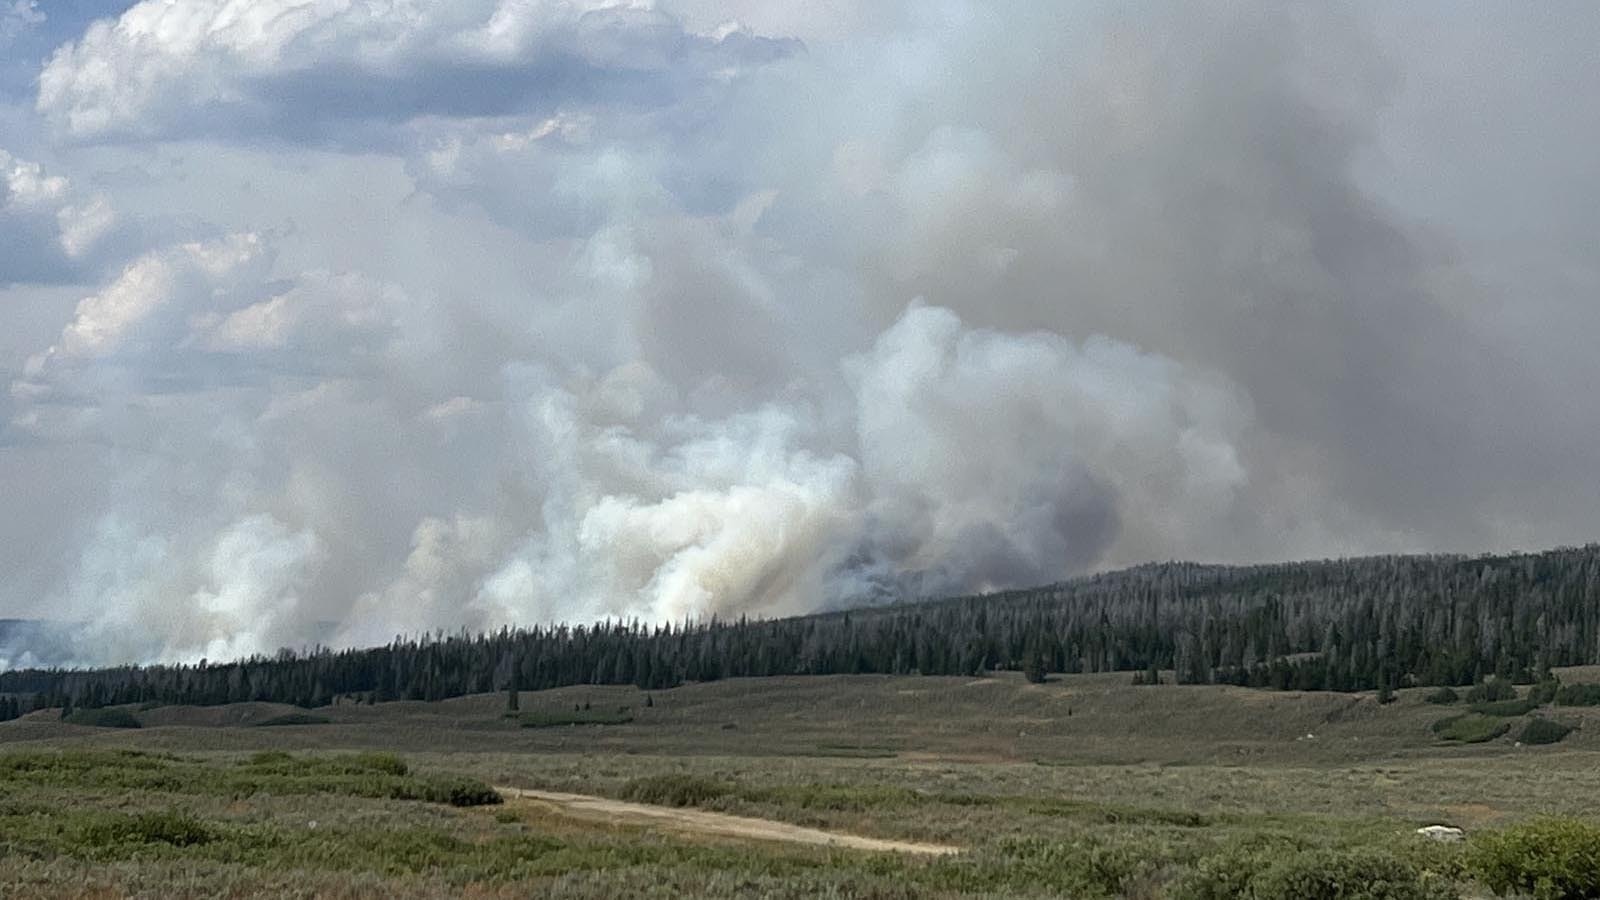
x=457, y=790
x=1505, y=708
x=1265, y=872
x=552, y=719
x=1084, y=866
x=1443, y=696
x=1471, y=728
x=1543, y=731
x=110, y=717
x=1491, y=690
x=293, y=718
x=309, y=767
x=1550, y=859
x=385, y=763
x=1545, y=691
x=675, y=790
x=1347, y=875
x=852, y=751
x=177, y=829
x=1578, y=695
x=1226, y=875
x=374, y=775
x=836, y=797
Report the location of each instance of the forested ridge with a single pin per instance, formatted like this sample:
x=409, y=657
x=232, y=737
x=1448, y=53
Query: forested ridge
x=1341, y=625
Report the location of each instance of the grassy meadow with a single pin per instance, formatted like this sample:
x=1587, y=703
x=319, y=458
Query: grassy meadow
x=1084, y=786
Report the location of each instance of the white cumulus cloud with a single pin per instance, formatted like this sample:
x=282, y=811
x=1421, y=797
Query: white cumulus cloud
x=47, y=228
x=220, y=65
x=18, y=16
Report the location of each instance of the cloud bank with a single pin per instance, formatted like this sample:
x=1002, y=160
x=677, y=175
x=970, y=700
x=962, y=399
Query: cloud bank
x=286, y=65
x=329, y=321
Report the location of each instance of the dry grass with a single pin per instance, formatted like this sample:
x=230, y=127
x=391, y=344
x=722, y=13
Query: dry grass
x=1024, y=776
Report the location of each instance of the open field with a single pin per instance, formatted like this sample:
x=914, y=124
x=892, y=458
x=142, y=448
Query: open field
x=681, y=820
x=1083, y=786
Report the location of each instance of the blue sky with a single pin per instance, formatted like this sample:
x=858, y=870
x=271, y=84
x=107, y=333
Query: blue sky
x=331, y=320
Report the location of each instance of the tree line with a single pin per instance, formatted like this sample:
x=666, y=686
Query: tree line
x=1338, y=625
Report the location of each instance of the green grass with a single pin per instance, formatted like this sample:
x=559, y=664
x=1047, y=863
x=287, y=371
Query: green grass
x=1158, y=792
x=1471, y=728
x=1505, y=708
x=801, y=801
x=359, y=775
x=675, y=790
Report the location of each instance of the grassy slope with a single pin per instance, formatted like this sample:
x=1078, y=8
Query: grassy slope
x=994, y=764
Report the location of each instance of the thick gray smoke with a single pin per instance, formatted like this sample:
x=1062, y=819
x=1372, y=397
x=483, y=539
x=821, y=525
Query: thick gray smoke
x=329, y=322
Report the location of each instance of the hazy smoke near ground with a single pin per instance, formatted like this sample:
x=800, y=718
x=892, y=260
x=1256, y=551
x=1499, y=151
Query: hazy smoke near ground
x=332, y=321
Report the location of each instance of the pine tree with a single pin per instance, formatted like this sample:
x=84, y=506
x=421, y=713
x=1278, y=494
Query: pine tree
x=1033, y=666
x=1348, y=625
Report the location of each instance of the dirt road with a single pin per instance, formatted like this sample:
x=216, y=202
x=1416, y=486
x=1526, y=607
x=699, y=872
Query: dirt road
x=697, y=821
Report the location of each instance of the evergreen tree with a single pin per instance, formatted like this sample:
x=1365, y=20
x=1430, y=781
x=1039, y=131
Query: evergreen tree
x=1033, y=666
x=1347, y=625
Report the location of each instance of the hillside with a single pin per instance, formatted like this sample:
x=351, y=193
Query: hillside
x=1346, y=625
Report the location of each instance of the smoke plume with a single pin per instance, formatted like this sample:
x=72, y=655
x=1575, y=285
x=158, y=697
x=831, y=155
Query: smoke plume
x=321, y=324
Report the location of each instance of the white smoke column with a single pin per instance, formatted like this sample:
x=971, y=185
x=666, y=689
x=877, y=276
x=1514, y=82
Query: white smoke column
x=503, y=312
x=976, y=459
x=702, y=518
x=442, y=573
x=172, y=359
x=998, y=460
x=986, y=460
x=246, y=599
x=252, y=600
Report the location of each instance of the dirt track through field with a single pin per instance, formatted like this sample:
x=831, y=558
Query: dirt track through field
x=700, y=822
